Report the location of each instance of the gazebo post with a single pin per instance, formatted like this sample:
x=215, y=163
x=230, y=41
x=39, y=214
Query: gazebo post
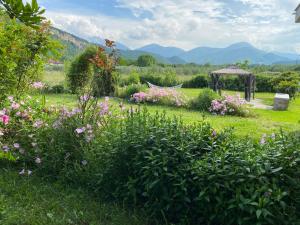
x=248, y=88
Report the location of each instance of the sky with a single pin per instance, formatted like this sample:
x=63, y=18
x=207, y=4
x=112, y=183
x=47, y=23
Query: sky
x=266, y=24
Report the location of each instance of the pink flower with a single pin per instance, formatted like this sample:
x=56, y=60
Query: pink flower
x=16, y=145
x=37, y=85
x=38, y=124
x=15, y=106
x=4, y=119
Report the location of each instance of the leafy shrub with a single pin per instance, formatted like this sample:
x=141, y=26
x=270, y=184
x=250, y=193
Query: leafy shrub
x=204, y=100
x=128, y=91
x=21, y=58
x=81, y=70
x=288, y=83
x=200, y=81
x=58, y=89
x=134, y=78
x=179, y=174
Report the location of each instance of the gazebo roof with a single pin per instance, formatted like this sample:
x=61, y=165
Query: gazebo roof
x=234, y=70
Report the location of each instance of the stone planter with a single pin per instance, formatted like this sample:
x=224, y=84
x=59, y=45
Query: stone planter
x=281, y=101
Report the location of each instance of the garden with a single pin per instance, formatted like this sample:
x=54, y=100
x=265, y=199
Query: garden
x=89, y=143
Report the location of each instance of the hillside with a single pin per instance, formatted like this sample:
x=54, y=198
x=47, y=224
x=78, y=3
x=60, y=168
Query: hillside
x=172, y=55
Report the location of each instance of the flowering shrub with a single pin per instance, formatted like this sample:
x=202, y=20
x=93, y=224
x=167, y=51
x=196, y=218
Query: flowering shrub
x=229, y=105
x=164, y=96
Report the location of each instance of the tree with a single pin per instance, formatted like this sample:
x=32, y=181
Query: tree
x=146, y=60
x=29, y=14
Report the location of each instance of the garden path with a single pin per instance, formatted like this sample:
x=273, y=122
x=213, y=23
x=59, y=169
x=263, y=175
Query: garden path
x=259, y=104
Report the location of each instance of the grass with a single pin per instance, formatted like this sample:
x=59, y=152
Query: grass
x=263, y=121
x=30, y=200
x=54, y=78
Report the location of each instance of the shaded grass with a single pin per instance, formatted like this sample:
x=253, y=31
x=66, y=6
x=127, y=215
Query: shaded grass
x=54, y=78
x=32, y=201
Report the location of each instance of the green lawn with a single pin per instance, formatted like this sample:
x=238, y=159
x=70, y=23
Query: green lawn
x=31, y=201
x=263, y=121
x=54, y=78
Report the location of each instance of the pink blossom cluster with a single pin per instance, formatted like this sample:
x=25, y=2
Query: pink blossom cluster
x=166, y=96
x=229, y=105
x=37, y=85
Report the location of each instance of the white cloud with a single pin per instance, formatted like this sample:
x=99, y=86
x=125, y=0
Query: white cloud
x=267, y=24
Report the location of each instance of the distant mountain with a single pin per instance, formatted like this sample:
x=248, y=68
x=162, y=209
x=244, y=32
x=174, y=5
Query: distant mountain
x=167, y=52
x=231, y=54
x=74, y=45
x=172, y=55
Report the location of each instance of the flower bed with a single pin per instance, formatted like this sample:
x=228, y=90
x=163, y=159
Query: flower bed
x=164, y=96
x=229, y=105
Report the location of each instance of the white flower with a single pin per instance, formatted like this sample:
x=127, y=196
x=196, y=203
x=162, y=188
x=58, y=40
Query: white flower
x=22, y=172
x=38, y=160
x=84, y=162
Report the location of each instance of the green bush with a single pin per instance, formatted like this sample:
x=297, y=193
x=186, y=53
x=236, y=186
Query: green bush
x=21, y=58
x=179, y=174
x=288, y=83
x=128, y=91
x=203, y=101
x=81, y=70
x=58, y=89
x=134, y=78
x=200, y=81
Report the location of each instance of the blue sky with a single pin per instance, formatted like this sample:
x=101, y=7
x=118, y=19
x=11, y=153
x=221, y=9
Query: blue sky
x=267, y=24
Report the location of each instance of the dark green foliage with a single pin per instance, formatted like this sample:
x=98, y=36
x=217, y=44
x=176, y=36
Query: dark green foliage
x=203, y=101
x=288, y=83
x=146, y=60
x=182, y=174
x=29, y=14
x=58, y=89
x=128, y=91
x=81, y=70
x=200, y=81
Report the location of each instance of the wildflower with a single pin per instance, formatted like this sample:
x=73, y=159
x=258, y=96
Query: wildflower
x=29, y=172
x=37, y=85
x=262, y=140
x=1, y=133
x=80, y=130
x=33, y=144
x=38, y=124
x=22, y=172
x=5, y=148
x=85, y=98
x=15, y=105
x=4, y=119
x=38, y=160
x=16, y=145
x=122, y=107
x=273, y=136
x=84, y=162
x=10, y=98
x=214, y=133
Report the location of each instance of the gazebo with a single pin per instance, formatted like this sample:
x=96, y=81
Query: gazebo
x=249, y=80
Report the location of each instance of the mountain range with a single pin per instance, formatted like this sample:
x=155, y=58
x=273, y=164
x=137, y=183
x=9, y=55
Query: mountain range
x=172, y=55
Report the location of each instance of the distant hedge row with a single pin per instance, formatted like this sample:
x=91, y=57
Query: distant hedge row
x=264, y=82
